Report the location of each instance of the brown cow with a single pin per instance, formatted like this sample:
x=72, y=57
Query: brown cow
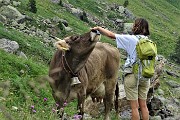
x=94, y=63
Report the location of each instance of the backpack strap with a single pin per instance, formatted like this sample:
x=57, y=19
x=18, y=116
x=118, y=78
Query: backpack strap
x=138, y=62
x=139, y=68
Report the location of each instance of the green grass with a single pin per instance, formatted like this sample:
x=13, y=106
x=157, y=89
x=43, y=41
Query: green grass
x=22, y=84
x=175, y=3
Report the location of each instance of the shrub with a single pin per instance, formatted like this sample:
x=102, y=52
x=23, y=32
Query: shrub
x=60, y=3
x=126, y=2
x=83, y=17
x=32, y=6
x=61, y=27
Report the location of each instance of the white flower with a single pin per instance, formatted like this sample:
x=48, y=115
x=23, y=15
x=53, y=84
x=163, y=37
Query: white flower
x=14, y=108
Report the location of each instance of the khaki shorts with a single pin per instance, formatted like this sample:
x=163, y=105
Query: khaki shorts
x=135, y=90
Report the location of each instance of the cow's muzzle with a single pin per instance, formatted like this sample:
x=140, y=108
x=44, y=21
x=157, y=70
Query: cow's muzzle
x=95, y=35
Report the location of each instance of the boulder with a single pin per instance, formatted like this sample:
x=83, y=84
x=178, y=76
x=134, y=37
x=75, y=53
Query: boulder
x=10, y=12
x=2, y=19
x=4, y=2
x=128, y=28
x=8, y=45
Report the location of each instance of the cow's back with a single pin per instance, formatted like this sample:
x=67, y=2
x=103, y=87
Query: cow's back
x=102, y=65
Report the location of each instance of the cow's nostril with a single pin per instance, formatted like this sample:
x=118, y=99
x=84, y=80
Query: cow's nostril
x=98, y=33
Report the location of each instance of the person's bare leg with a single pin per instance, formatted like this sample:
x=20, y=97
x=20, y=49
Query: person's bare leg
x=144, y=109
x=134, y=108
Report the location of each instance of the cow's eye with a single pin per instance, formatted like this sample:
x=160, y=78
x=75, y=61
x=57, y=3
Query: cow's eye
x=75, y=38
x=67, y=41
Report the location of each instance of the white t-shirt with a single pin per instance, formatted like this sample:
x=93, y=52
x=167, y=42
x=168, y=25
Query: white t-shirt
x=128, y=43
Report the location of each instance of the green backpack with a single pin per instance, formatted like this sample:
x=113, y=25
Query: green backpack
x=146, y=53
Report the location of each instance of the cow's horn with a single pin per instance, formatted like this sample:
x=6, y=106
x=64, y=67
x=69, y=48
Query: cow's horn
x=56, y=38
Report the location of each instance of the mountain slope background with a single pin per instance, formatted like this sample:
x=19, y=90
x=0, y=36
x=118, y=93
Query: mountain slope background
x=23, y=81
x=163, y=17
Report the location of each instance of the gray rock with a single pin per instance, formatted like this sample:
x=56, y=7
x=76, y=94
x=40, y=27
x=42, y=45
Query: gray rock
x=2, y=19
x=155, y=118
x=4, y=2
x=22, y=26
x=68, y=29
x=173, y=84
x=176, y=92
x=15, y=3
x=8, y=45
x=77, y=12
x=55, y=1
x=129, y=14
x=22, y=55
x=121, y=10
x=162, y=99
x=160, y=92
x=10, y=12
x=14, y=24
x=128, y=27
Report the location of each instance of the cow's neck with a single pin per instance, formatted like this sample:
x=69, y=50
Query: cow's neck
x=74, y=63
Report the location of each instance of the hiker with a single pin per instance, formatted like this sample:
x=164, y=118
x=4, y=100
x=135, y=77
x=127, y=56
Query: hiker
x=136, y=90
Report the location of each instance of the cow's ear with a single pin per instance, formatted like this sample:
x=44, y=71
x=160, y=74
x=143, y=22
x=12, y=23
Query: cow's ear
x=62, y=45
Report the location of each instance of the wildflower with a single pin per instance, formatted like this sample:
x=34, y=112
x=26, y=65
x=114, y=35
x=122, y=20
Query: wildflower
x=14, y=108
x=34, y=111
x=65, y=104
x=53, y=110
x=32, y=106
x=57, y=105
x=77, y=117
x=45, y=99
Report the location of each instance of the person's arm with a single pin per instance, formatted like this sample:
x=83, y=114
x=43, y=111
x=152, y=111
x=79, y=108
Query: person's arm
x=104, y=32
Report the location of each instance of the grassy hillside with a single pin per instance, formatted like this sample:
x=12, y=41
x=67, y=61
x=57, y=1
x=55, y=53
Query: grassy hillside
x=175, y=3
x=23, y=82
x=163, y=18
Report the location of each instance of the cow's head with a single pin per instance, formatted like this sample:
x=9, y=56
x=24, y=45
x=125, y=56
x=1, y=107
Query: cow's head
x=78, y=48
x=79, y=44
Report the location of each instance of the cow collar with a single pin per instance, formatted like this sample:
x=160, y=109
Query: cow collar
x=68, y=69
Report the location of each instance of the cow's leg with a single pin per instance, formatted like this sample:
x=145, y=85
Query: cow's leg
x=82, y=92
x=116, y=105
x=110, y=86
x=81, y=100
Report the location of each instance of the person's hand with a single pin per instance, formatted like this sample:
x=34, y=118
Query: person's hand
x=104, y=32
x=95, y=28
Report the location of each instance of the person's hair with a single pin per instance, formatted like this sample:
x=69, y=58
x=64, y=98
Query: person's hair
x=141, y=27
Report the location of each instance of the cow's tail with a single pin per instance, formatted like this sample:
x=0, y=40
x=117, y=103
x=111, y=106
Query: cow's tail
x=116, y=97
